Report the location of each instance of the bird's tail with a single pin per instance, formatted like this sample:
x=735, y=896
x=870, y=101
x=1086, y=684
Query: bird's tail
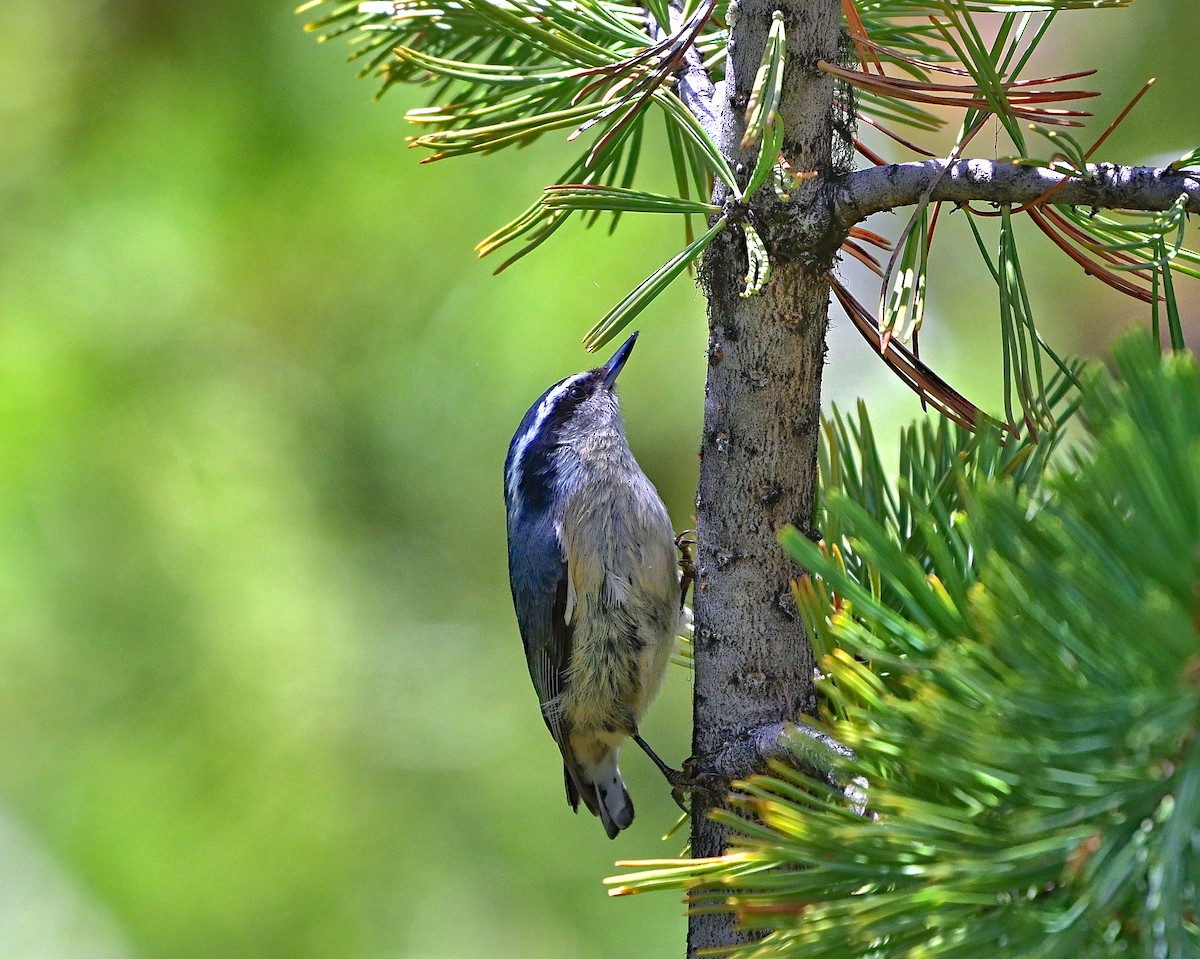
x=602, y=790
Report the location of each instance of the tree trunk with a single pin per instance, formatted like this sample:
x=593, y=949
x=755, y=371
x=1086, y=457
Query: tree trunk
x=753, y=663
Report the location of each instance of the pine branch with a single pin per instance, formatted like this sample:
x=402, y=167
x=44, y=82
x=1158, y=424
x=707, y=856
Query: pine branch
x=857, y=195
x=692, y=83
x=756, y=748
x=1034, y=776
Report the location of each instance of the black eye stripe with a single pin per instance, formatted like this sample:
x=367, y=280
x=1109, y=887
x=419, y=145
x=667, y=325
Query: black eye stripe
x=569, y=401
x=530, y=466
x=545, y=418
x=567, y=405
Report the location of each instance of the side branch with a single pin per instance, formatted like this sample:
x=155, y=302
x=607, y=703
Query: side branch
x=855, y=196
x=756, y=748
x=795, y=744
x=692, y=82
x=695, y=89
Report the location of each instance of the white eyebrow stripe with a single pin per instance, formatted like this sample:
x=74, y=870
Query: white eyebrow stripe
x=545, y=408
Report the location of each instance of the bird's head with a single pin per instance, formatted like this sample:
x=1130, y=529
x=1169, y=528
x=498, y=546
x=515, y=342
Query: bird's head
x=580, y=409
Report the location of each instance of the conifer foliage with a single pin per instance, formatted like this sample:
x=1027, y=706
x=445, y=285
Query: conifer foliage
x=601, y=73
x=1007, y=643
x=1010, y=649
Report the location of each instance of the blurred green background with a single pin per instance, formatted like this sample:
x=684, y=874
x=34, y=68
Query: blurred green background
x=261, y=692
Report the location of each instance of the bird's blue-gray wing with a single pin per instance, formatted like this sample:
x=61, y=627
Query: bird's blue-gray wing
x=540, y=586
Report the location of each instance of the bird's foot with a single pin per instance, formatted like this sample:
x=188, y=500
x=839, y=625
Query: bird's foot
x=689, y=782
x=686, y=781
x=687, y=564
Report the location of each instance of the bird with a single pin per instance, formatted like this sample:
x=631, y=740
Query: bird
x=595, y=581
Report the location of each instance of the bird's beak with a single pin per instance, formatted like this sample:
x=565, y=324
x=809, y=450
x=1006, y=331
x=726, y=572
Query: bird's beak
x=613, y=367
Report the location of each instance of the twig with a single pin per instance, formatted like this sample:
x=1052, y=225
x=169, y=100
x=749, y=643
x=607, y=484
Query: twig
x=855, y=196
x=693, y=84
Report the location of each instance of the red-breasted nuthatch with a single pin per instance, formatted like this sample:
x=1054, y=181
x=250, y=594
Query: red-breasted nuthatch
x=592, y=563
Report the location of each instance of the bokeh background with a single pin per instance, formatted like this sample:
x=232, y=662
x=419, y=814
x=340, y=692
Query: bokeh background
x=261, y=692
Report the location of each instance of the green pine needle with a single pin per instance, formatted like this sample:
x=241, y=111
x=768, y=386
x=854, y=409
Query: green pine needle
x=1009, y=647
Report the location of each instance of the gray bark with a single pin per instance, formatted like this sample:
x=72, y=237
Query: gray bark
x=753, y=663
x=857, y=195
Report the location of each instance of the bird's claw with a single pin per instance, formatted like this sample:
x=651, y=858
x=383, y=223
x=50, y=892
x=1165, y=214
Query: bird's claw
x=687, y=564
x=687, y=781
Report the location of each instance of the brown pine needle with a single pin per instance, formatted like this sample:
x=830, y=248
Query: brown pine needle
x=908, y=367
x=892, y=134
x=1024, y=103
x=863, y=257
x=864, y=49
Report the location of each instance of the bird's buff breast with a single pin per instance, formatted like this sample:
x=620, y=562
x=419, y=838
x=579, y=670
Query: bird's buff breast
x=623, y=605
